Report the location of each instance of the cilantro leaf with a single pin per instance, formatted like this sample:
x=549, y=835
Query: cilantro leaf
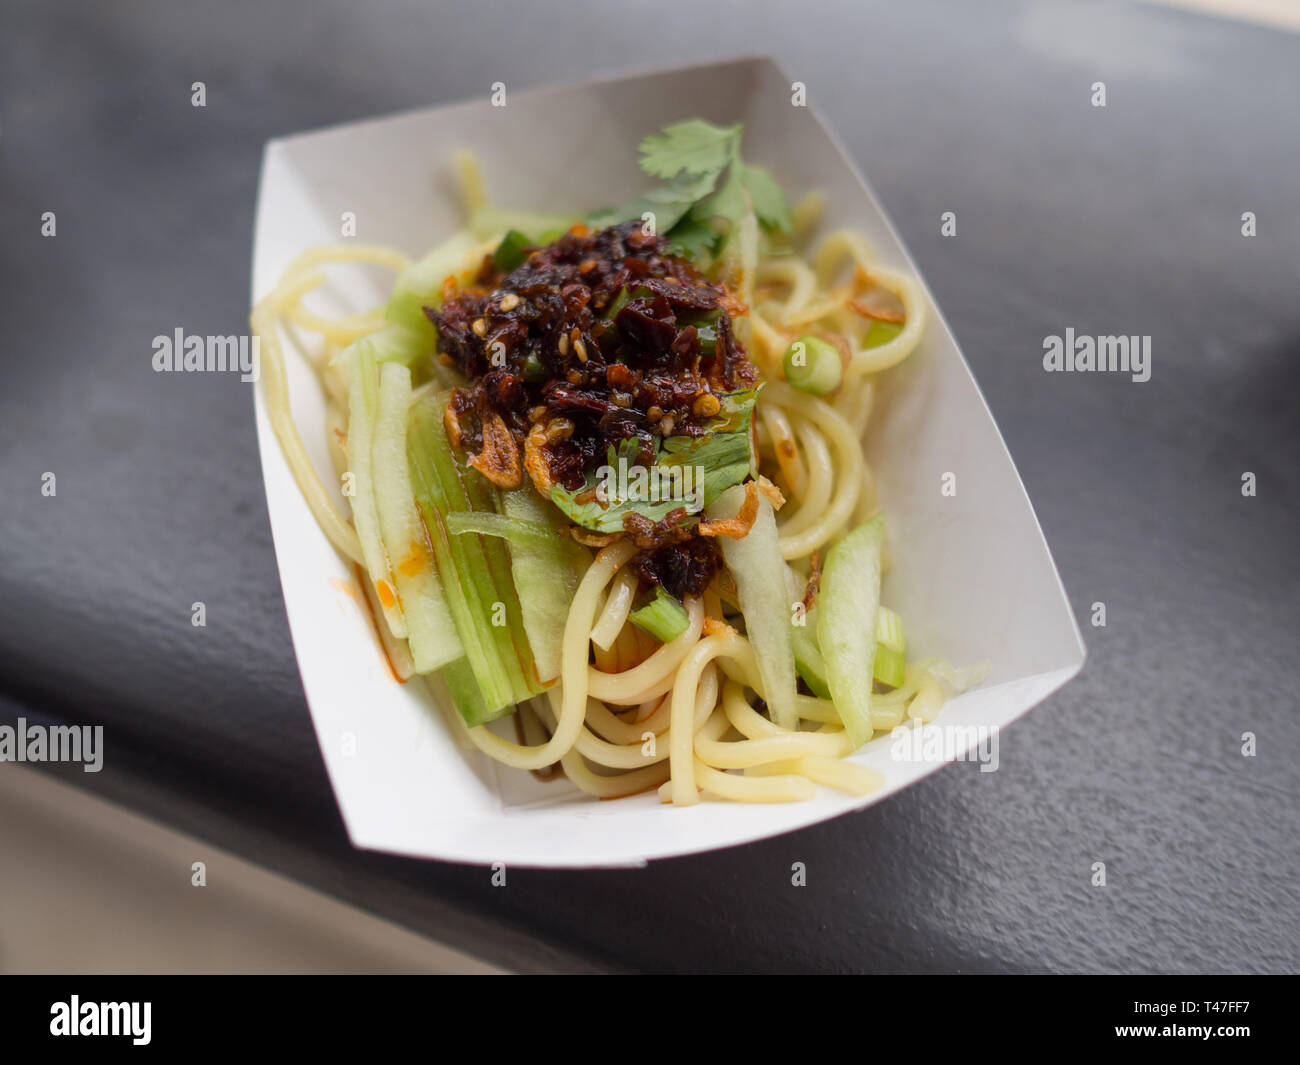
x=728, y=202
x=694, y=145
x=668, y=203
x=691, y=238
x=707, y=182
x=768, y=198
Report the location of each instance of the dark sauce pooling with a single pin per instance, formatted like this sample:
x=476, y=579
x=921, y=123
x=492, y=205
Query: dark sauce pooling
x=595, y=339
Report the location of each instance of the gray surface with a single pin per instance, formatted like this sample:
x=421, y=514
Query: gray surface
x=1122, y=220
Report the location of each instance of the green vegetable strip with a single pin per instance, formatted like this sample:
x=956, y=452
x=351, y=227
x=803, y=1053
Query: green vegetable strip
x=512, y=530
x=420, y=284
x=511, y=638
x=393, y=343
x=807, y=655
x=756, y=565
x=511, y=252
x=889, y=666
x=889, y=630
x=546, y=575
x=430, y=631
x=663, y=617
x=362, y=403
x=846, y=628
x=461, y=566
x=533, y=225
x=812, y=365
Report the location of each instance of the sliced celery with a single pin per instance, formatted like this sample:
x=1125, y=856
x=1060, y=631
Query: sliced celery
x=889, y=630
x=663, y=617
x=808, y=659
x=362, y=403
x=889, y=662
x=888, y=665
x=512, y=530
x=420, y=284
x=846, y=627
x=756, y=565
x=489, y=222
x=546, y=574
x=429, y=628
x=462, y=566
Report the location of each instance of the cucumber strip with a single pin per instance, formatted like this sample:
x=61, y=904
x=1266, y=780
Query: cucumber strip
x=756, y=565
x=889, y=665
x=489, y=222
x=513, y=530
x=846, y=628
x=362, y=402
x=512, y=639
x=429, y=628
x=663, y=617
x=546, y=574
x=392, y=343
x=420, y=284
x=890, y=660
x=889, y=630
x=808, y=659
x=462, y=569
x=466, y=695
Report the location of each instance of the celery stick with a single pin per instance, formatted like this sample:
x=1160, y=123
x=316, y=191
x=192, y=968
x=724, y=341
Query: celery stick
x=663, y=617
x=890, y=659
x=393, y=343
x=430, y=630
x=420, y=284
x=512, y=639
x=546, y=575
x=362, y=403
x=512, y=530
x=756, y=565
x=846, y=628
x=888, y=666
x=889, y=630
x=808, y=656
x=489, y=222
x=461, y=567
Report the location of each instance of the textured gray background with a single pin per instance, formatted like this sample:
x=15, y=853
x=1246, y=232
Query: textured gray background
x=1123, y=220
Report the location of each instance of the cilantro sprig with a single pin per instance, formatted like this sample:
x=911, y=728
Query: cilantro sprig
x=708, y=187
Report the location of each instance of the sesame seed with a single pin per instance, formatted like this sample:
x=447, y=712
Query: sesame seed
x=580, y=349
x=509, y=301
x=564, y=344
x=480, y=327
x=666, y=426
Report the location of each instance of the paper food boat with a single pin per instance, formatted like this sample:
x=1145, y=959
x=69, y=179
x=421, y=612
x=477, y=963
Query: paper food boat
x=971, y=572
